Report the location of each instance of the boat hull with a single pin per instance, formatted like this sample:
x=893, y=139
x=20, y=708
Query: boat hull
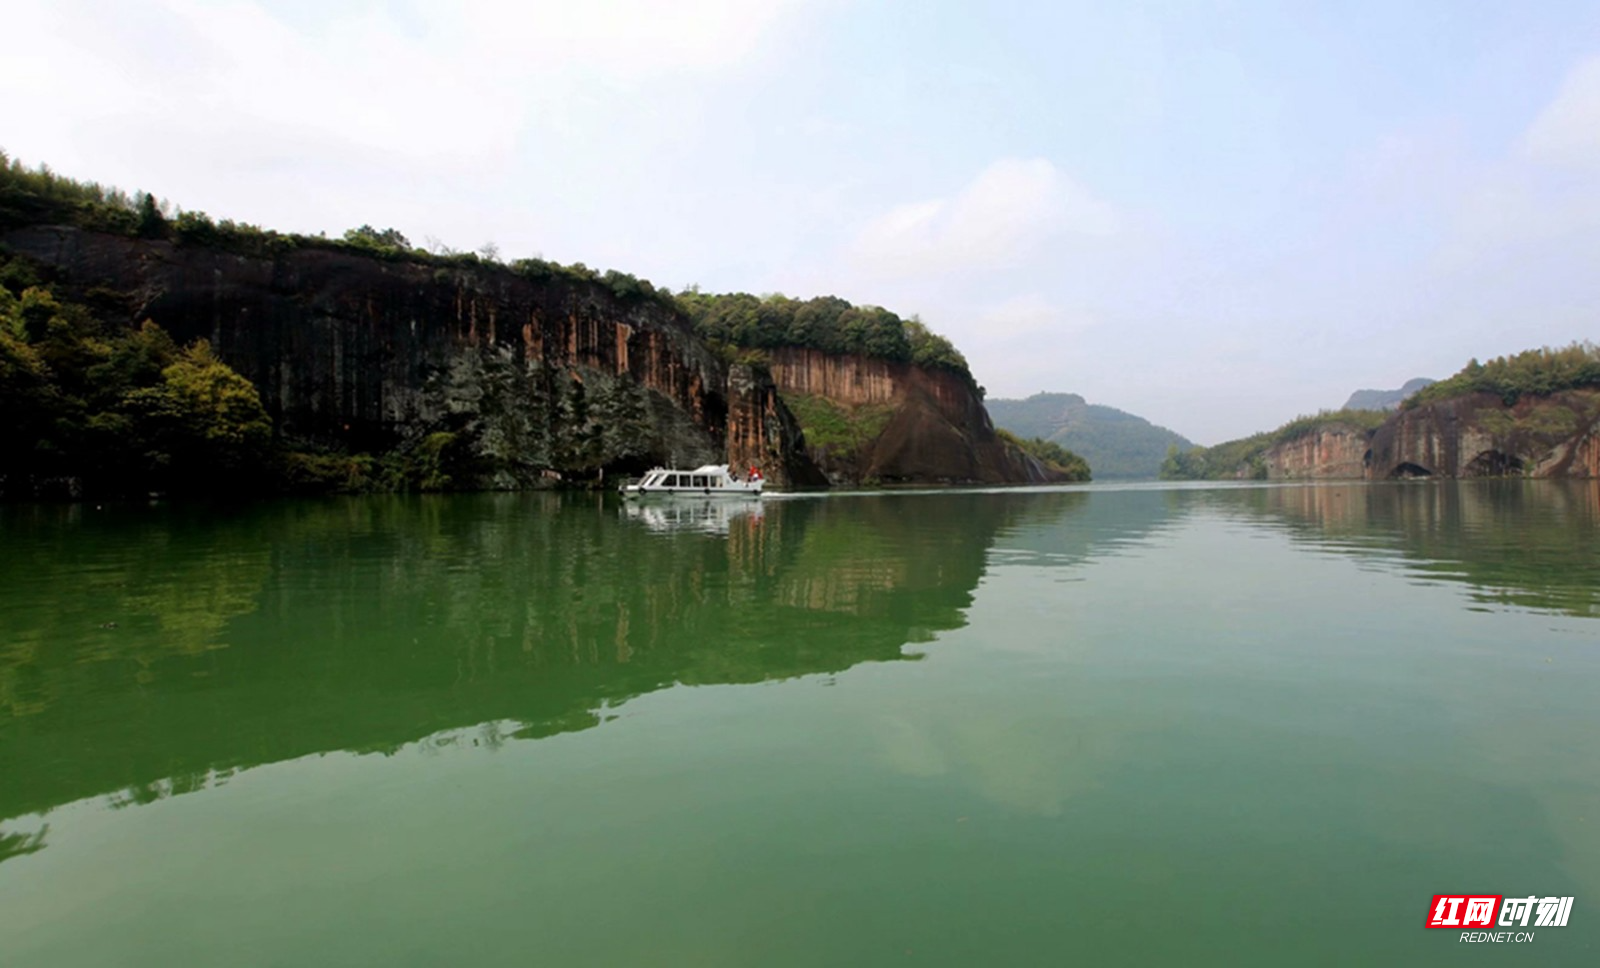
x=634, y=491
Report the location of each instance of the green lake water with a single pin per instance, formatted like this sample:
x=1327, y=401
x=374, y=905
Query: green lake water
x=1132, y=725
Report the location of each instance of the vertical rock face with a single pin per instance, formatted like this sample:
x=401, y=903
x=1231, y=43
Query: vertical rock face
x=1328, y=453
x=1478, y=435
x=762, y=433
x=354, y=352
x=936, y=431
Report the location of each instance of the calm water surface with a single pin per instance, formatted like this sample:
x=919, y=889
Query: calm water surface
x=1219, y=725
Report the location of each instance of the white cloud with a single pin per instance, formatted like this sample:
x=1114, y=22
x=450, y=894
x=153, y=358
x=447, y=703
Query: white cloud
x=454, y=86
x=1544, y=192
x=1567, y=131
x=1002, y=215
x=1029, y=315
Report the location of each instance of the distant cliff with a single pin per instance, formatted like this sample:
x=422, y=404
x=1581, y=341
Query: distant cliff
x=1533, y=414
x=1473, y=435
x=1385, y=399
x=1116, y=444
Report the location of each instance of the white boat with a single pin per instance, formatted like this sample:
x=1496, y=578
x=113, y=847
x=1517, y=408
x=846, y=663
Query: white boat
x=712, y=480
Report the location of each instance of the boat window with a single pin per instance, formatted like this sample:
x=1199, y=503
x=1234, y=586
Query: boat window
x=699, y=481
x=669, y=480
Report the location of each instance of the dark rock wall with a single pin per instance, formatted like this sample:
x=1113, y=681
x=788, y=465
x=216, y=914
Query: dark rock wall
x=358, y=353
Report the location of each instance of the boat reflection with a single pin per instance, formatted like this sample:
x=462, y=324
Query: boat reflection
x=664, y=515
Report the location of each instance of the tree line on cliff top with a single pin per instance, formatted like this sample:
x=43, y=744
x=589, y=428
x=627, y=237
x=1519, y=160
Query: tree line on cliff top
x=31, y=196
x=1533, y=373
x=826, y=323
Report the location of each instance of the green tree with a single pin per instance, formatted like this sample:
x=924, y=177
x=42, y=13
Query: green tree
x=203, y=424
x=152, y=224
x=371, y=238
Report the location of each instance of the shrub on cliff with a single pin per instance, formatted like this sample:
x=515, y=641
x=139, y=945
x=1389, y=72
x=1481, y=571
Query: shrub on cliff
x=202, y=425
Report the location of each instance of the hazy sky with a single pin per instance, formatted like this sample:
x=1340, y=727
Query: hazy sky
x=1215, y=215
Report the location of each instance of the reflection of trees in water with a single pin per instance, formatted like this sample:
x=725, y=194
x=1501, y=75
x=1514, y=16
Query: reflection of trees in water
x=20, y=845
x=92, y=587
x=365, y=624
x=1528, y=544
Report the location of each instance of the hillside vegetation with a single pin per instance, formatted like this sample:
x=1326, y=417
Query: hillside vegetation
x=112, y=408
x=36, y=196
x=1052, y=455
x=827, y=324
x=94, y=408
x=32, y=196
x=1117, y=444
x=1530, y=373
x=1245, y=457
x=79, y=431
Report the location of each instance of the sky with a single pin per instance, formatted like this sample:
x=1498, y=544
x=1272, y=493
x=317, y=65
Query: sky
x=1217, y=215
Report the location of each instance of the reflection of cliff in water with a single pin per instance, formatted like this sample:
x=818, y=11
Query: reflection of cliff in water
x=365, y=624
x=1525, y=544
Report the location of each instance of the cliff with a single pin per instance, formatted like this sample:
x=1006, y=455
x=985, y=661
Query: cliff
x=1334, y=451
x=889, y=421
x=1479, y=435
x=1470, y=435
x=537, y=378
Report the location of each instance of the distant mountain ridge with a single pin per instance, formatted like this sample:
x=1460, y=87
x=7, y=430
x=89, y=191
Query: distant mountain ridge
x=1117, y=444
x=1385, y=399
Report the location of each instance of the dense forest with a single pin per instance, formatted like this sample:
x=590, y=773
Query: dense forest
x=1529, y=373
x=1227, y=460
